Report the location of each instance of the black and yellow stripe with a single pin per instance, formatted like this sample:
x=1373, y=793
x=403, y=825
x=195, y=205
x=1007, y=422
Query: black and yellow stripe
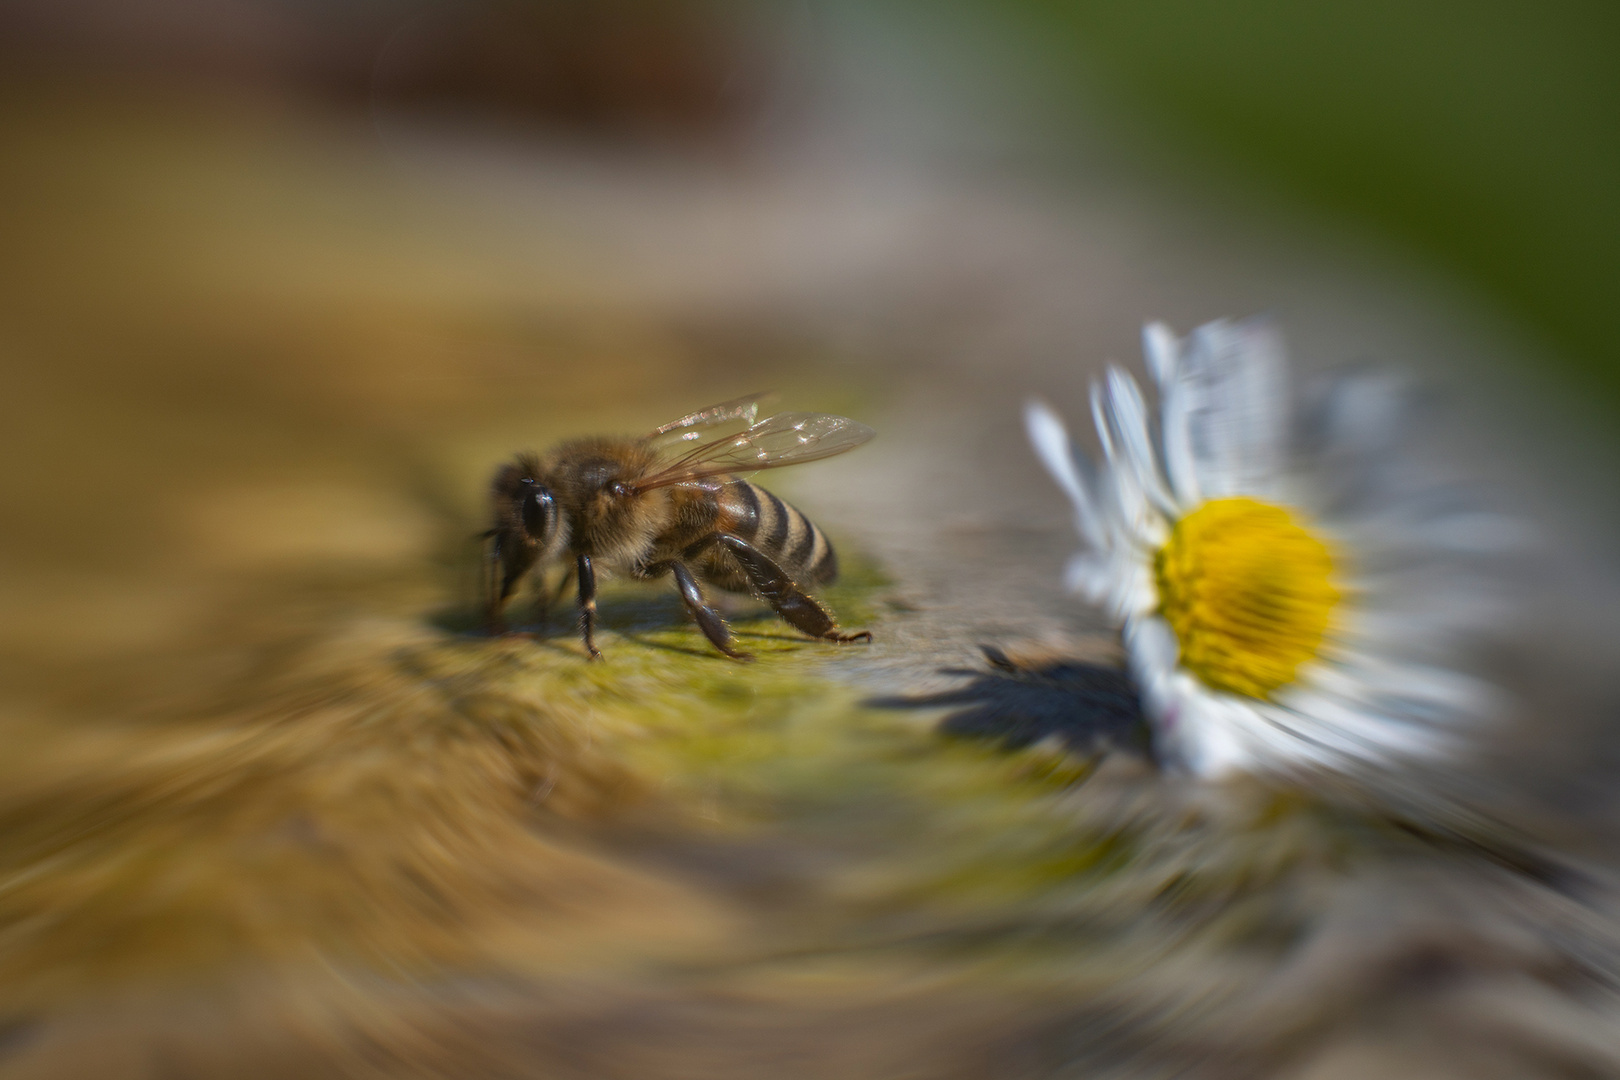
x=783, y=533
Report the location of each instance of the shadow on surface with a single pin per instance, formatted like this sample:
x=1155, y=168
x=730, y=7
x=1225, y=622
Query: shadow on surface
x=1090, y=709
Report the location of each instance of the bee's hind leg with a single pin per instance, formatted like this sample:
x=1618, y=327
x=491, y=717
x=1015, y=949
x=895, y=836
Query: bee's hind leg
x=709, y=621
x=797, y=607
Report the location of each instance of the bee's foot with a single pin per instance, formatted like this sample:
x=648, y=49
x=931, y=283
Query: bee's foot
x=998, y=658
x=740, y=657
x=596, y=654
x=845, y=639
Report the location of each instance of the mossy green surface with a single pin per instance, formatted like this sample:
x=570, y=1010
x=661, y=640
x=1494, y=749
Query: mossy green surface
x=876, y=839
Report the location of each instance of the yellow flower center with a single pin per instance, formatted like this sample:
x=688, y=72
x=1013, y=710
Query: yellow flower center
x=1247, y=591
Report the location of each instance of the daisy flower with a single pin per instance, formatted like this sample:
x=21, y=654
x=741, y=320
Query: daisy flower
x=1290, y=590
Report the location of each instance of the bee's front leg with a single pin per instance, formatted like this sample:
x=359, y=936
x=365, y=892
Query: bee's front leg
x=504, y=566
x=587, y=604
x=494, y=621
x=546, y=599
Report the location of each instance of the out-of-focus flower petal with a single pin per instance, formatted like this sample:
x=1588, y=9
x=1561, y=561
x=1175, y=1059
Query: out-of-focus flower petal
x=1237, y=408
x=1133, y=509
x=1092, y=574
x=1153, y=642
x=1175, y=401
x=1395, y=686
x=1350, y=732
x=1126, y=416
x=1163, y=354
x=1050, y=439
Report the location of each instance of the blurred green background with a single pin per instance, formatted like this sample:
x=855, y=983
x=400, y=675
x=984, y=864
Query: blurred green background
x=1483, y=136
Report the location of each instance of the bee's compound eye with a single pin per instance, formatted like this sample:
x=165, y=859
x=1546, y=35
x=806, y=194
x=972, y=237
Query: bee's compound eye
x=539, y=513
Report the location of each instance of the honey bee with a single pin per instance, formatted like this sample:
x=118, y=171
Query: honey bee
x=657, y=505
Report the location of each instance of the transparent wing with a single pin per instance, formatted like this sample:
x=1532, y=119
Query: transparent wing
x=783, y=439
x=689, y=428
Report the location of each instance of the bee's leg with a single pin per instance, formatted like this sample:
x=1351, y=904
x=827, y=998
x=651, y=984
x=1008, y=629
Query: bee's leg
x=587, y=605
x=777, y=589
x=493, y=622
x=545, y=599
x=542, y=598
x=709, y=621
x=504, y=568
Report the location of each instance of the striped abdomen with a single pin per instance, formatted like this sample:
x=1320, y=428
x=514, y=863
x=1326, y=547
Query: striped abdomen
x=751, y=513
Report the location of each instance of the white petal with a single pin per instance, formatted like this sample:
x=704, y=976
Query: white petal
x=1051, y=441
x=1195, y=729
x=1412, y=615
x=1136, y=594
x=1126, y=414
x=1406, y=691
x=1114, y=580
x=1141, y=524
x=1215, y=733
x=1364, y=412
x=1151, y=648
x=1149, y=529
x=1476, y=532
x=1237, y=408
x=1152, y=645
x=1169, y=700
x=1268, y=744
x=1163, y=353
x=1353, y=731
x=1091, y=574
x=1180, y=468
